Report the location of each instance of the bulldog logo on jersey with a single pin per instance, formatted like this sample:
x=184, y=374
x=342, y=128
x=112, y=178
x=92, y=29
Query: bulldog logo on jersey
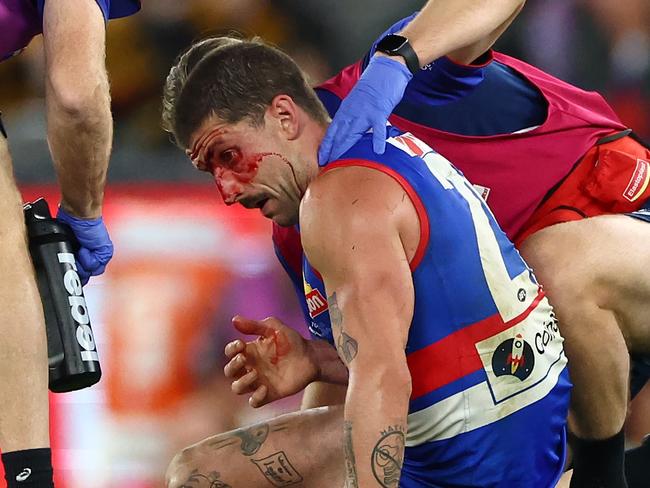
x=316, y=302
x=514, y=357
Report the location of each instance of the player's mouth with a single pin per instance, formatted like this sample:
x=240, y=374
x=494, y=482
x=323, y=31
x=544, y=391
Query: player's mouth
x=252, y=203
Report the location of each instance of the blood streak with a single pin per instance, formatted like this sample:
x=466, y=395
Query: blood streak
x=232, y=178
x=277, y=155
x=282, y=346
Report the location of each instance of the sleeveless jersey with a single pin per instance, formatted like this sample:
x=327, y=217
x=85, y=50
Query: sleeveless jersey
x=489, y=381
x=21, y=20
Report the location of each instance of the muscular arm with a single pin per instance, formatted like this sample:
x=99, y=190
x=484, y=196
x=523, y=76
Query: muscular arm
x=79, y=120
x=370, y=296
x=462, y=29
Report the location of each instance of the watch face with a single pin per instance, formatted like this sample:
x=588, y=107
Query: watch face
x=391, y=43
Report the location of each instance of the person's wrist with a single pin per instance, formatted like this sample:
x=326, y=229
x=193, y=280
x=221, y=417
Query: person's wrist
x=389, y=66
x=88, y=211
x=313, y=355
x=398, y=58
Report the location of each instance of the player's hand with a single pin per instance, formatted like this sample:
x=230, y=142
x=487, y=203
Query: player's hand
x=368, y=105
x=274, y=366
x=96, y=248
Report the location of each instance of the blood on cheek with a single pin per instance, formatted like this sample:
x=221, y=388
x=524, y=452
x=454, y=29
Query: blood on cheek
x=231, y=177
x=238, y=171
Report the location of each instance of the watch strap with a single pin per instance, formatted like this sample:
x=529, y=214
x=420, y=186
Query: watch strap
x=404, y=49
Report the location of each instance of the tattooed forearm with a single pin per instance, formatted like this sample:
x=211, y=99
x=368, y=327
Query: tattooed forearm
x=388, y=456
x=199, y=480
x=277, y=470
x=351, y=480
x=222, y=442
x=252, y=438
x=346, y=345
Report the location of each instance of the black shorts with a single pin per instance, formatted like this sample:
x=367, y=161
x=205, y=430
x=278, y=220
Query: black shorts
x=2, y=127
x=639, y=374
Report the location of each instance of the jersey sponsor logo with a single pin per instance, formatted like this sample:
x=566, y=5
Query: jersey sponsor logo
x=514, y=357
x=638, y=182
x=316, y=302
x=78, y=307
x=521, y=358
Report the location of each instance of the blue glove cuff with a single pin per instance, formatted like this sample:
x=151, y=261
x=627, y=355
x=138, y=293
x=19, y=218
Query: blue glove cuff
x=389, y=66
x=73, y=221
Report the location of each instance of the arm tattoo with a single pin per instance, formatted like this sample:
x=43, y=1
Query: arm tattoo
x=346, y=345
x=196, y=478
x=252, y=438
x=388, y=456
x=336, y=316
x=277, y=470
x=351, y=480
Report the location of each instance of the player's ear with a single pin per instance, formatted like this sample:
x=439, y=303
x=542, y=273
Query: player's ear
x=285, y=112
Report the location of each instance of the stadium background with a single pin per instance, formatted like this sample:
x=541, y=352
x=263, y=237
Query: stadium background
x=182, y=265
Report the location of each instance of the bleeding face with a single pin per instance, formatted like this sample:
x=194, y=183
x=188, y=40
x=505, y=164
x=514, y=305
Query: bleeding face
x=248, y=167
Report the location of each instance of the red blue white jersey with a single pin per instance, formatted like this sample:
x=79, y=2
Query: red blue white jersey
x=514, y=131
x=21, y=20
x=490, y=388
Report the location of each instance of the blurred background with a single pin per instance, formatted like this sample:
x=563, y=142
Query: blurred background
x=182, y=266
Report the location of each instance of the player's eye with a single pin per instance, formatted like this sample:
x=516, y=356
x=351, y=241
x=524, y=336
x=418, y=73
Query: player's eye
x=227, y=158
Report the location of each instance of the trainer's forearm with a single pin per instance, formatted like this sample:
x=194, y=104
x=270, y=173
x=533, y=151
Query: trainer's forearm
x=80, y=141
x=330, y=367
x=80, y=127
x=445, y=26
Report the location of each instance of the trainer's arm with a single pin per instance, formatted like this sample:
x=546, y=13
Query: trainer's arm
x=80, y=127
x=462, y=29
x=370, y=296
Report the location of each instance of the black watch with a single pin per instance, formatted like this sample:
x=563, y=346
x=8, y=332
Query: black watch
x=395, y=45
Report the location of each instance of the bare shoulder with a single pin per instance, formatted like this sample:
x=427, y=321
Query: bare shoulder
x=347, y=194
x=354, y=203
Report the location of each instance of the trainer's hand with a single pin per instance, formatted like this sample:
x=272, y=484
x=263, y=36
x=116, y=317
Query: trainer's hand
x=96, y=248
x=368, y=105
x=274, y=366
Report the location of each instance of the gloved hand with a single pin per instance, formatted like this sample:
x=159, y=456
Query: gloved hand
x=371, y=101
x=96, y=247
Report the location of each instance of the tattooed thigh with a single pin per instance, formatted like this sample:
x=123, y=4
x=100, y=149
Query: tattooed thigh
x=300, y=449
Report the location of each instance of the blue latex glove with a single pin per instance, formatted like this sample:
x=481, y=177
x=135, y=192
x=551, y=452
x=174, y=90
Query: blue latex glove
x=368, y=105
x=96, y=248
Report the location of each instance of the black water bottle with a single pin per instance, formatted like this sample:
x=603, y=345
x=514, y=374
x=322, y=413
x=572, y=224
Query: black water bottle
x=72, y=353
